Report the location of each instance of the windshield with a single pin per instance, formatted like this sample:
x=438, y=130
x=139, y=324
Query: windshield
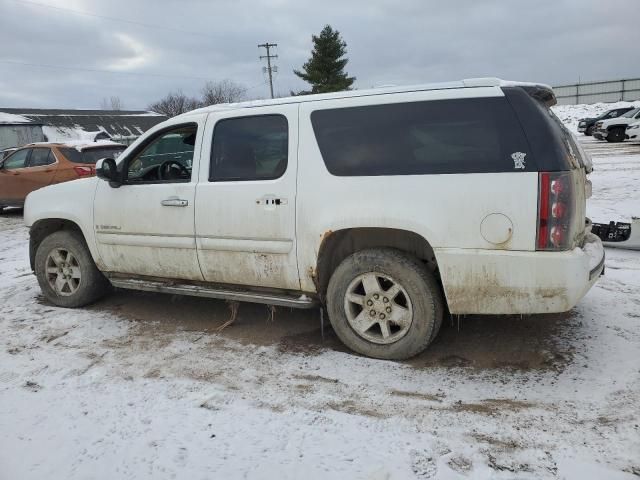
x=92, y=155
x=631, y=113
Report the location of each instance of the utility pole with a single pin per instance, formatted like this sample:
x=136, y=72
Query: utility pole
x=270, y=69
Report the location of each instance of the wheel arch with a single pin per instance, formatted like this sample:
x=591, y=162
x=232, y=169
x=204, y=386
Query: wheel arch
x=41, y=229
x=338, y=245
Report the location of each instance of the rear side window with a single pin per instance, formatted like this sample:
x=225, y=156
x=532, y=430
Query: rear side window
x=91, y=155
x=632, y=113
x=249, y=148
x=418, y=138
x=41, y=157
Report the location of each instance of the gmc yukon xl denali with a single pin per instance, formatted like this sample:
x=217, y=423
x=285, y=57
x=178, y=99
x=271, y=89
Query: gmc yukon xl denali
x=387, y=207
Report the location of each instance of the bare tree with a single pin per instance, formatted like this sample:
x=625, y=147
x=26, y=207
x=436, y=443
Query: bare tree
x=113, y=103
x=175, y=103
x=224, y=91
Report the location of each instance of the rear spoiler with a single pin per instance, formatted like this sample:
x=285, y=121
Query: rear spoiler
x=541, y=93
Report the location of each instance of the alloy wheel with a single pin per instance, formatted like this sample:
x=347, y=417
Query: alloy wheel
x=378, y=308
x=63, y=272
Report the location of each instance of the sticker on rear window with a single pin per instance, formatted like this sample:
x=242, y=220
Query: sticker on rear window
x=518, y=160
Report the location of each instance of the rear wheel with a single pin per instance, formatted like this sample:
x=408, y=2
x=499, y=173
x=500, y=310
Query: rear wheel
x=66, y=272
x=616, y=135
x=384, y=304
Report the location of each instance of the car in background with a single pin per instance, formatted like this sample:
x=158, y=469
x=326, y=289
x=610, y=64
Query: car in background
x=633, y=131
x=586, y=125
x=613, y=130
x=37, y=165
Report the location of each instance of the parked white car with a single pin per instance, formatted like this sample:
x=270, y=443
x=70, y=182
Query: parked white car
x=613, y=130
x=633, y=131
x=388, y=206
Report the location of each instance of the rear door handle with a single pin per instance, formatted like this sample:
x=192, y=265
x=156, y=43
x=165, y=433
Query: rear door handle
x=271, y=201
x=174, y=202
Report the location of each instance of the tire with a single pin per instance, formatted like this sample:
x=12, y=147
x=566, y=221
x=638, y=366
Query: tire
x=616, y=135
x=417, y=297
x=84, y=283
x=589, y=131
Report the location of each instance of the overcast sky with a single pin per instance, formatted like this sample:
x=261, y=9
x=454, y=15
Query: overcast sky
x=389, y=42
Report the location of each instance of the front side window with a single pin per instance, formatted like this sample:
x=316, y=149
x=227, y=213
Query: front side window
x=419, y=138
x=249, y=148
x=6, y=153
x=41, y=157
x=167, y=158
x=17, y=160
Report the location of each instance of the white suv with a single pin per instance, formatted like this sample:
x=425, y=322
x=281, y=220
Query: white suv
x=387, y=206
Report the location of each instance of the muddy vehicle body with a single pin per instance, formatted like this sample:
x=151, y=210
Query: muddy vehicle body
x=347, y=200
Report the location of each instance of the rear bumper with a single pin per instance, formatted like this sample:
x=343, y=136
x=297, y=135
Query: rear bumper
x=516, y=282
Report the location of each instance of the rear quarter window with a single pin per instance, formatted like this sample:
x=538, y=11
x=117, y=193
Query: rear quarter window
x=552, y=144
x=420, y=138
x=91, y=155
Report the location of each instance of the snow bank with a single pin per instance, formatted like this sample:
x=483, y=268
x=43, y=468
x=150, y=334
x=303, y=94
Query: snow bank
x=571, y=114
x=11, y=118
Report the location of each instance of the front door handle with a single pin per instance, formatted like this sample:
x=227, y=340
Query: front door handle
x=174, y=202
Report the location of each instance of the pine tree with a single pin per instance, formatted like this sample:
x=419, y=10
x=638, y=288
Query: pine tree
x=325, y=69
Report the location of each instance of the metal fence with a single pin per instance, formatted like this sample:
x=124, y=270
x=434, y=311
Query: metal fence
x=593, y=92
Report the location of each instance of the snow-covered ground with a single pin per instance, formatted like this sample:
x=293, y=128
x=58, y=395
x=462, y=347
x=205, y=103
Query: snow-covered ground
x=141, y=386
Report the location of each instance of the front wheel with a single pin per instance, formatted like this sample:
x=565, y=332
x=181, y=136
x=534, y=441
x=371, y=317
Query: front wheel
x=589, y=131
x=385, y=304
x=616, y=135
x=65, y=270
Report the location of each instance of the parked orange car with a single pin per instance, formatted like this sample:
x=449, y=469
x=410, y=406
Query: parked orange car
x=40, y=164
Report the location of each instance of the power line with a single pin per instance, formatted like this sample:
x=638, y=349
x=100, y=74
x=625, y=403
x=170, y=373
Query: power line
x=96, y=70
x=113, y=19
x=270, y=69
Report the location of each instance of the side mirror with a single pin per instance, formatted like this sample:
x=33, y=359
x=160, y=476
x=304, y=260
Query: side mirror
x=106, y=169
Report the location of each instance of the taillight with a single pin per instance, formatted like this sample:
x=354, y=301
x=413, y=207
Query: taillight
x=556, y=209
x=85, y=171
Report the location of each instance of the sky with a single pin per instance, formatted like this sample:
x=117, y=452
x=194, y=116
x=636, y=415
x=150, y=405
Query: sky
x=143, y=49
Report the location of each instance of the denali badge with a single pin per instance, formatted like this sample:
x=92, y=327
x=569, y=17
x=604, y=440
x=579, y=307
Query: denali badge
x=518, y=159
